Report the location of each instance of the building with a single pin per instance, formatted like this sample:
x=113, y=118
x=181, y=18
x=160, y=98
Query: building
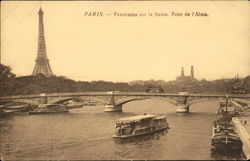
x=186, y=79
x=154, y=89
x=42, y=62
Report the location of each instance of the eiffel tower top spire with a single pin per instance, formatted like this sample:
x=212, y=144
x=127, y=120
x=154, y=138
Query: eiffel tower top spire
x=42, y=62
x=40, y=11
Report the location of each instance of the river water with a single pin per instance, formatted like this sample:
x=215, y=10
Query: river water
x=86, y=134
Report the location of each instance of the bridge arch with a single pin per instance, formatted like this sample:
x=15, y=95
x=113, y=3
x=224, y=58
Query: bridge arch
x=60, y=101
x=118, y=106
x=171, y=101
x=98, y=99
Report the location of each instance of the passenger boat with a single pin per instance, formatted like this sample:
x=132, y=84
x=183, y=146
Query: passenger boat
x=49, y=108
x=182, y=105
x=17, y=108
x=139, y=125
x=14, y=109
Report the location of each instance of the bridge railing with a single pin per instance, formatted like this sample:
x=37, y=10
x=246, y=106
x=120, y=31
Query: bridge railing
x=75, y=94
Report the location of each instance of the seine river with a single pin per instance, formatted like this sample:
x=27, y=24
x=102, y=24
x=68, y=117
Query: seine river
x=86, y=134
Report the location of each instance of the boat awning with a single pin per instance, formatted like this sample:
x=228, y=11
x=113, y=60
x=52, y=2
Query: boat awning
x=160, y=117
x=136, y=118
x=49, y=105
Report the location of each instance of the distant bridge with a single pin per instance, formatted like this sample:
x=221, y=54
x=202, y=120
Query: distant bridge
x=102, y=97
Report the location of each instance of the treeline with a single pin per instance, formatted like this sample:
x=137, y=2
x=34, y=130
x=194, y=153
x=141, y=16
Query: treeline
x=54, y=84
x=12, y=85
x=220, y=86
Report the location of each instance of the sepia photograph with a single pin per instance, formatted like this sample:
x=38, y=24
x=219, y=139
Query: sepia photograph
x=125, y=80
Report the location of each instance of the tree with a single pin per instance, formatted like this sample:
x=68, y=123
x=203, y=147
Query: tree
x=6, y=79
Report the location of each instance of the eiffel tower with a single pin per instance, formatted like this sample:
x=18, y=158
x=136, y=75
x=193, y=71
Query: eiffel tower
x=42, y=62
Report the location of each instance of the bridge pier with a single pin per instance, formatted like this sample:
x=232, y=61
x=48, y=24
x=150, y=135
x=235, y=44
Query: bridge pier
x=182, y=105
x=111, y=106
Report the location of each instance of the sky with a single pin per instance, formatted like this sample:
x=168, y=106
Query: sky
x=121, y=48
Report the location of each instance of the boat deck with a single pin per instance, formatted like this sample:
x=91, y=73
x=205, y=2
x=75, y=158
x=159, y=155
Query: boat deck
x=136, y=118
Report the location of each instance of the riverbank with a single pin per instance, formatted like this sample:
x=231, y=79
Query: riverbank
x=243, y=132
x=242, y=125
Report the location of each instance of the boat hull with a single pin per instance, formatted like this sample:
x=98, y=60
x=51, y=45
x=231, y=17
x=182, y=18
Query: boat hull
x=230, y=148
x=46, y=112
x=224, y=139
x=10, y=112
x=129, y=136
x=74, y=106
x=182, y=109
x=113, y=108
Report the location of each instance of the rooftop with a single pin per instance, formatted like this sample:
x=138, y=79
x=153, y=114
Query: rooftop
x=136, y=118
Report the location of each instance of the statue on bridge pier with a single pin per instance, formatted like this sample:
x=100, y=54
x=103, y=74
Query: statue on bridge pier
x=111, y=106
